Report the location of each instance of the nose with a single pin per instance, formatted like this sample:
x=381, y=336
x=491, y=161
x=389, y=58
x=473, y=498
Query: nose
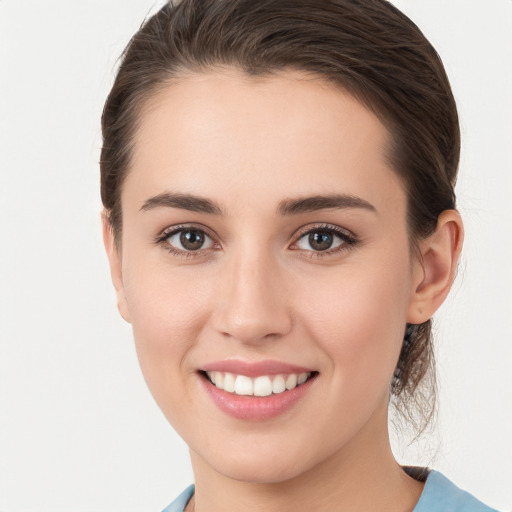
x=252, y=304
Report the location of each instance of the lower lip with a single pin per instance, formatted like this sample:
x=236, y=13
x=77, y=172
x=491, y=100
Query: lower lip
x=256, y=408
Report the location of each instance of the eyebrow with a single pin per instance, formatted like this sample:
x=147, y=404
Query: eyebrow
x=184, y=201
x=320, y=202
x=286, y=207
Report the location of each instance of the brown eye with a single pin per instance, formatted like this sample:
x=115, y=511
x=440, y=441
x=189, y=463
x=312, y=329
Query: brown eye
x=320, y=240
x=192, y=240
x=189, y=240
x=323, y=239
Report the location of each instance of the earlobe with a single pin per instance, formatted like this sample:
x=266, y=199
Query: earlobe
x=436, y=267
x=116, y=272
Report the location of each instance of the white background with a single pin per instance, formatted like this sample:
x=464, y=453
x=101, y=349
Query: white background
x=78, y=429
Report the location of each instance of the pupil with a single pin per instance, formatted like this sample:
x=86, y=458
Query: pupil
x=320, y=240
x=191, y=240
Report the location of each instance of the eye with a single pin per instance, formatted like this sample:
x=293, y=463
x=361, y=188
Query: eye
x=327, y=239
x=319, y=241
x=187, y=239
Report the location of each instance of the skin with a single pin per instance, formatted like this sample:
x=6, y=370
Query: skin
x=260, y=291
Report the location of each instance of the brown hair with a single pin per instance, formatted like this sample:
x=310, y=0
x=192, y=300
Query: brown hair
x=367, y=47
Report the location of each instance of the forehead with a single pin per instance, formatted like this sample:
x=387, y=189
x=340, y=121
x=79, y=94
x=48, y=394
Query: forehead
x=285, y=134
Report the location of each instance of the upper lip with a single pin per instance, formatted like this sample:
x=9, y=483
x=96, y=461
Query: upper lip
x=254, y=369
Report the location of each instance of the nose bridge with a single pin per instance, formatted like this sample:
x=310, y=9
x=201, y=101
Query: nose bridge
x=252, y=304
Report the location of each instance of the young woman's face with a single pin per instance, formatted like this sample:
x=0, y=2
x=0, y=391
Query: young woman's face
x=264, y=238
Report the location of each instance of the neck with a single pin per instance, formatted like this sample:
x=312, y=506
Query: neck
x=359, y=477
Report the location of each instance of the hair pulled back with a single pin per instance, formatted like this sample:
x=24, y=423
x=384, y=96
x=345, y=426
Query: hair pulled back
x=366, y=47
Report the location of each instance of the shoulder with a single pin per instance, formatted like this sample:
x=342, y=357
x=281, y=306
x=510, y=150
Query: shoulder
x=440, y=494
x=179, y=504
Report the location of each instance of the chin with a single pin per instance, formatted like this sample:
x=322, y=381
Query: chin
x=261, y=466
x=264, y=473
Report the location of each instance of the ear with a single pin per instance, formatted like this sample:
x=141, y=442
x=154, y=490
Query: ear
x=116, y=270
x=434, y=270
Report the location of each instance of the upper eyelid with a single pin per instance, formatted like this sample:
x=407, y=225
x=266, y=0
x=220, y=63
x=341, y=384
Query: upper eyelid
x=171, y=230
x=308, y=228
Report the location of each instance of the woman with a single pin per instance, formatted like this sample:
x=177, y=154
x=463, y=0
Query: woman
x=280, y=222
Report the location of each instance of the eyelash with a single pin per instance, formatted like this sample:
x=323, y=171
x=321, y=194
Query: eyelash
x=348, y=240
x=163, y=238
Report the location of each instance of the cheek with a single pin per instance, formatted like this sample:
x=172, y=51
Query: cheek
x=167, y=312
x=163, y=311
x=358, y=318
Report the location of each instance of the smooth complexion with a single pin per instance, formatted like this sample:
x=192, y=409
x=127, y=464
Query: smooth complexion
x=258, y=174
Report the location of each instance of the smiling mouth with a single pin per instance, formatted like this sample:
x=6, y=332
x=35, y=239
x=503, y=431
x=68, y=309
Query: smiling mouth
x=261, y=386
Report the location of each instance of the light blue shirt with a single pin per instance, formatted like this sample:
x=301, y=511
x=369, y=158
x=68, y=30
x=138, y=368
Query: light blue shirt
x=439, y=495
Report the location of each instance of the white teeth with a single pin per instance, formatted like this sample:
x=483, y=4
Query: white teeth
x=243, y=385
x=278, y=385
x=303, y=377
x=263, y=385
x=219, y=379
x=229, y=383
x=291, y=381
